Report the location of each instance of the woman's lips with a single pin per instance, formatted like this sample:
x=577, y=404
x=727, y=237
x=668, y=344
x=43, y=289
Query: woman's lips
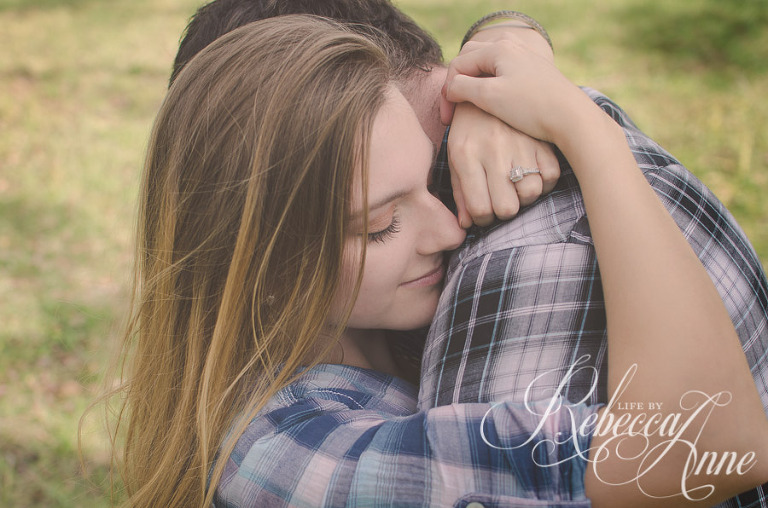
x=428, y=279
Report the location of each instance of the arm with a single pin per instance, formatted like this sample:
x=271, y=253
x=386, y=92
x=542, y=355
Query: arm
x=333, y=447
x=660, y=303
x=483, y=149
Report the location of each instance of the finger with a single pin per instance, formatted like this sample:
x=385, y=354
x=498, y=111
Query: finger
x=504, y=198
x=446, y=108
x=547, y=162
x=465, y=219
x=469, y=176
x=529, y=188
x=462, y=83
x=473, y=46
x=478, y=91
x=474, y=57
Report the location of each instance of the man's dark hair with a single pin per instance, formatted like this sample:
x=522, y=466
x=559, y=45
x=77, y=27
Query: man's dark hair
x=409, y=47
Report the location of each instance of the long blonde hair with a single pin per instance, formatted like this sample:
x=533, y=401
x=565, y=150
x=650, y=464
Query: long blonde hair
x=243, y=218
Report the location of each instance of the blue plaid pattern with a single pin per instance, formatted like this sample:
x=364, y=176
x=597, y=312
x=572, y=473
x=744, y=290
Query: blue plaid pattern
x=345, y=436
x=525, y=298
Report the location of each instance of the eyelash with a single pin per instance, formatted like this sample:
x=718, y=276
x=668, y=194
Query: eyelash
x=385, y=234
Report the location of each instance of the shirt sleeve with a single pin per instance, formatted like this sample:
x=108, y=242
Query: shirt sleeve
x=322, y=451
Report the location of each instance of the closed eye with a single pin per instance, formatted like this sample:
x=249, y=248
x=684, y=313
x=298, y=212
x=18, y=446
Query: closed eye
x=385, y=234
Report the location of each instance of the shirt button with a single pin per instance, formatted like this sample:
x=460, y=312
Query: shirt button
x=475, y=504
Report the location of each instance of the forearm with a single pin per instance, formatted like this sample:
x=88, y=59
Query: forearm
x=659, y=298
x=663, y=312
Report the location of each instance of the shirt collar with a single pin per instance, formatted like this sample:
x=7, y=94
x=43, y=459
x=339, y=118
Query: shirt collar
x=373, y=390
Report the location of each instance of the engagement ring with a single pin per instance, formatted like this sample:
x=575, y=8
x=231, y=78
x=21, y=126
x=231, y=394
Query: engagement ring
x=518, y=172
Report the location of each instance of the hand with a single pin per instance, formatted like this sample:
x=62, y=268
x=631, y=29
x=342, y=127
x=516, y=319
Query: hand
x=516, y=31
x=546, y=105
x=481, y=151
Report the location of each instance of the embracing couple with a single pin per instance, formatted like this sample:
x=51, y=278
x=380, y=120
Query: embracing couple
x=303, y=211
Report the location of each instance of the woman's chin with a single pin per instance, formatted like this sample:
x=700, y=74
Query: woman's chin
x=417, y=316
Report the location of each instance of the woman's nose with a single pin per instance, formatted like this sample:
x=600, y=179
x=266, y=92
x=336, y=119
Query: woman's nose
x=441, y=229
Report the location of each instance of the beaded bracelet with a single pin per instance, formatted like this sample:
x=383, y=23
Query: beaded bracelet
x=519, y=16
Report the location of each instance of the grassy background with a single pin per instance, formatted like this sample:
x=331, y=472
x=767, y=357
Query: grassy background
x=80, y=82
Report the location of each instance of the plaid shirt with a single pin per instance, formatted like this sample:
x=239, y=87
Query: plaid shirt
x=345, y=436
x=525, y=298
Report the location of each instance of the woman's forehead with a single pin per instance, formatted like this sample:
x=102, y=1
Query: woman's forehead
x=400, y=155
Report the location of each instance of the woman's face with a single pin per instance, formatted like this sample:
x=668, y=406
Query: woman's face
x=408, y=227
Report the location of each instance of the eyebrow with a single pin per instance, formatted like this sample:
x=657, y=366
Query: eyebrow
x=381, y=203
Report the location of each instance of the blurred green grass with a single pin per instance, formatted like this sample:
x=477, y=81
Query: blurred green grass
x=81, y=81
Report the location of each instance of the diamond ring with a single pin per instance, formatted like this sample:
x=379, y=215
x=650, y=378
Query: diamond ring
x=518, y=172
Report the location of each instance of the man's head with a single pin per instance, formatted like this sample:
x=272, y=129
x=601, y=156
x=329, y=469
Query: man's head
x=412, y=52
x=412, y=47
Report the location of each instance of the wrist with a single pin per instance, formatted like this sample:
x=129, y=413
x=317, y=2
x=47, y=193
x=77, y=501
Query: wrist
x=579, y=115
x=587, y=137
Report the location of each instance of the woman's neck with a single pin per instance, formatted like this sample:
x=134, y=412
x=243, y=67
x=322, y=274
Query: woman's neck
x=368, y=349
